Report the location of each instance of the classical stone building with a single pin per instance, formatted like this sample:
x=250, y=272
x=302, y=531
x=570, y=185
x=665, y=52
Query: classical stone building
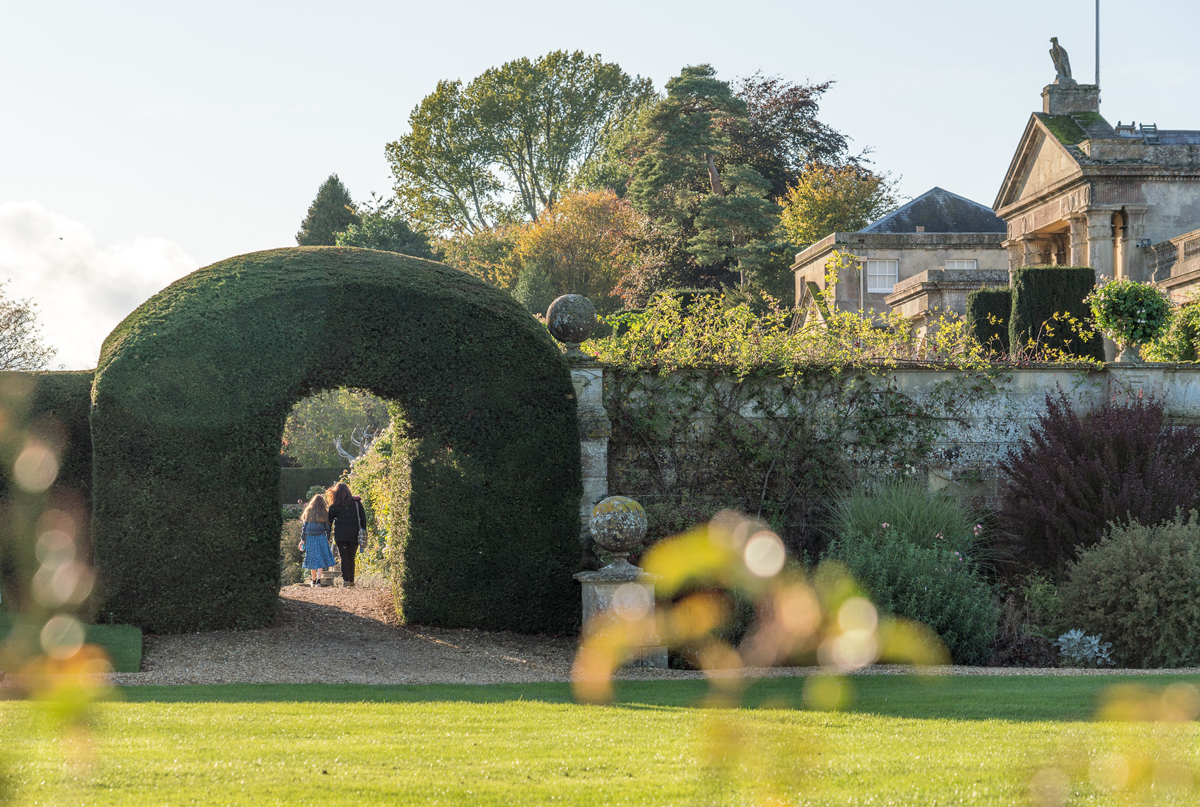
x=1124, y=199
x=924, y=257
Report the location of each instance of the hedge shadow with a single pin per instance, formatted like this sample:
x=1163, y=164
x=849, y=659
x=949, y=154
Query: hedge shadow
x=190, y=399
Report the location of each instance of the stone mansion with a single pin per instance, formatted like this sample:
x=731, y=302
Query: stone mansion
x=1124, y=200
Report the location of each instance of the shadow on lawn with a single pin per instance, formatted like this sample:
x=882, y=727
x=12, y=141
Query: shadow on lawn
x=1011, y=698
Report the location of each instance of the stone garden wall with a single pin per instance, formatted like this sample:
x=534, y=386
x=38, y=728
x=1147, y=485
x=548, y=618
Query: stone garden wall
x=968, y=444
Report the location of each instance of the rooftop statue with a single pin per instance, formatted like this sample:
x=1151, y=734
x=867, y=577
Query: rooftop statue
x=1062, y=64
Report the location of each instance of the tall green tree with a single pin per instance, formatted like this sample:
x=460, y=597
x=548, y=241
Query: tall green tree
x=687, y=140
x=508, y=145
x=329, y=214
x=782, y=136
x=383, y=227
x=318, y=420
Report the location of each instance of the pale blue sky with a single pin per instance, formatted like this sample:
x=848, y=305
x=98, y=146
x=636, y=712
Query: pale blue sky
x=183, y=133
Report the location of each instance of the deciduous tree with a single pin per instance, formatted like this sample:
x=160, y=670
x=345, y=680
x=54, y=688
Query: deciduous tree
x=828, y=199
x=21, y=345
x=782, y=135
x=319, y=419
x=521, y=132
x=582, y=243
x=383, y=227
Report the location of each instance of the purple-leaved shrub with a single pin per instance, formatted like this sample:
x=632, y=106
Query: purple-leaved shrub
x=1073, y=476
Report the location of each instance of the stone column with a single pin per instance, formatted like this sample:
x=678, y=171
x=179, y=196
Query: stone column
x=594, y=431
x=1135, y=231
x=1078, y=247
x=1100, y=243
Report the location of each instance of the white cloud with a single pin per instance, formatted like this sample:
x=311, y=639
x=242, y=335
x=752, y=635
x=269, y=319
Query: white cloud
x=82, y=291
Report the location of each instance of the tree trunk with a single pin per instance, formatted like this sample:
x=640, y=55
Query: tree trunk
x=714, y=179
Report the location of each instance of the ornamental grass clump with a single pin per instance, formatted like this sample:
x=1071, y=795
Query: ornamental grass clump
x=1139, y=588
x=1130, y=313
x=940, y=588
x=929, y=520
x=1072, y=476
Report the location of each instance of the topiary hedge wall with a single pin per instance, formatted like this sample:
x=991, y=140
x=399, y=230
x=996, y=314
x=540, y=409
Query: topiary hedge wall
x=191, y=396
x=56, y=407
x=1040, y=292
x=988, y=311
x=52, y=407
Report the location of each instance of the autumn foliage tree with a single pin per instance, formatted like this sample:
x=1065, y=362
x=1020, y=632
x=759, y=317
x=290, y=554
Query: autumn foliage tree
x=582, y=243
x=835, y=199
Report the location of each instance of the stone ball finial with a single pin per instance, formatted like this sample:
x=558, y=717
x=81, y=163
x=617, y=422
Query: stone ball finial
x=571, y=319
x=619, y=526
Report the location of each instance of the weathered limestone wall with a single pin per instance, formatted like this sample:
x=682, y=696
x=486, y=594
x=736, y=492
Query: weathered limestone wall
x=968, y=454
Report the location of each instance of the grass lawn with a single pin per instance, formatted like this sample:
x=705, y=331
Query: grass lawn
x=123, y=643
x=965, y=740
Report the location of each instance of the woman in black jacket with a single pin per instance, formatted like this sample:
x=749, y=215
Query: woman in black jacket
x=348, y=517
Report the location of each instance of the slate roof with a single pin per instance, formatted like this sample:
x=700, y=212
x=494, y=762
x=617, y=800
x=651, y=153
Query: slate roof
x=940, y=211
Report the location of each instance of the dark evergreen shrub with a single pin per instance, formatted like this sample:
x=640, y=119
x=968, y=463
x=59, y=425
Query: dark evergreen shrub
x=934, y=586
x=59, y=407
x=1139, y=588
x=191, y=397
x=1041, y=292
x=1072, y=476
x=331, y=213
x=989, y=311
x=53, y=407
x=295, y=482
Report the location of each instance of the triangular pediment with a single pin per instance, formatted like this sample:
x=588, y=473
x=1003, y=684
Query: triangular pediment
x=1042, y=160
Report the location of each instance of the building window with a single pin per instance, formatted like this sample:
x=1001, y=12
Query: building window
x=882, y=276
x=968, y=265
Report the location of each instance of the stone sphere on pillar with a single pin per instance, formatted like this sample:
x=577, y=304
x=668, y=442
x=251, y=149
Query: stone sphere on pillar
x=571, y=319
x=618, y=525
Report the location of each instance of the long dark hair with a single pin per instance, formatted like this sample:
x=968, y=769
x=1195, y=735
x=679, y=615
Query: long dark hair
x=340, y=495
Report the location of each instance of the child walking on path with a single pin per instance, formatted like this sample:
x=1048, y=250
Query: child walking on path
x=315, y=538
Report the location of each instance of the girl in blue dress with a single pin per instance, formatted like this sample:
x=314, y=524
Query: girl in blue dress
x=315, y=538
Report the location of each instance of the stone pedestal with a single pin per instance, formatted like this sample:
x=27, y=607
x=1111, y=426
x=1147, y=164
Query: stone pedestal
x=627, y=590
x=594, y=431
x=1065, y=99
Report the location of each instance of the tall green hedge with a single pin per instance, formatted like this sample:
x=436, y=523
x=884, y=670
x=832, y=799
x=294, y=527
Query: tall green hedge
x=988, y=311
x=1040, y=292
x=53, y=407
x=295, y=482
x=192, y=393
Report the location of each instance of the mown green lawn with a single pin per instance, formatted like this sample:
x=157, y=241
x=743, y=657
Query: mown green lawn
x=966, y=740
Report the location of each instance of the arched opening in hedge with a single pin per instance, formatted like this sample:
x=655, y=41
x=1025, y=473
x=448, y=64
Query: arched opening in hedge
x=189, y=405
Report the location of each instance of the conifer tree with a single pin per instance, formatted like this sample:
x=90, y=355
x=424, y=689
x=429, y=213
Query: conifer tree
x=329, y=214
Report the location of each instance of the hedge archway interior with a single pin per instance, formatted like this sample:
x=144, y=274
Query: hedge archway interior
x=189, y=403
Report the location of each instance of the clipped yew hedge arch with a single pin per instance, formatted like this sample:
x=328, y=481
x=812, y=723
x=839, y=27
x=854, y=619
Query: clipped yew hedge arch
x=190, y=399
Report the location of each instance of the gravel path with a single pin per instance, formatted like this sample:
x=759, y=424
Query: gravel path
x=341, y=635
x=349, y=635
